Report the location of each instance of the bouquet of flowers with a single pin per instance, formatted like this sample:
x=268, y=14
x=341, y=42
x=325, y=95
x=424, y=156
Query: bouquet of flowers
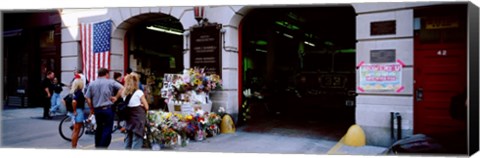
x=179, y=87
x=214, y=121
x=168, y=129
x=163, y=128
x=198, y=80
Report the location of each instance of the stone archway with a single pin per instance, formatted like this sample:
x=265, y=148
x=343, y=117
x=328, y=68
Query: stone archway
x=125, y=18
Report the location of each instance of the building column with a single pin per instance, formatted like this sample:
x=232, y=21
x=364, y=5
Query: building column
x=373, y=108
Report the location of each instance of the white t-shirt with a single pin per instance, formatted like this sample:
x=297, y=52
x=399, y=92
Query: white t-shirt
x=136, y=99
x=84, y=79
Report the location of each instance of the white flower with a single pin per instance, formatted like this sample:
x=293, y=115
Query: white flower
x=200, y=112
x=221, y=110
x=247, y=93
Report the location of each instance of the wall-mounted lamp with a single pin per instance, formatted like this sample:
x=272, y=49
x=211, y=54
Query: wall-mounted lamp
x=199, y=14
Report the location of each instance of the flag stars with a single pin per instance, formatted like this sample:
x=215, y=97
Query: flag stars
x=101, y=36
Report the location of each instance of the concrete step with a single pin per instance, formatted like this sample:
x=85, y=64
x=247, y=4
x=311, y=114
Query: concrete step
x=16, y=101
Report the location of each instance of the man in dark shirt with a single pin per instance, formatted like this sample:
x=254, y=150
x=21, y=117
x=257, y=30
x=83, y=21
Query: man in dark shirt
x=47, y=90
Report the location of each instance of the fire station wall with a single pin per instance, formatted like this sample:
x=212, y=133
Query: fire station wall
x=70, y=53
x=373, y=108
x=228, y=97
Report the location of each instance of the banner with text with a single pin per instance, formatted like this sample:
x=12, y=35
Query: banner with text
x=380, y=77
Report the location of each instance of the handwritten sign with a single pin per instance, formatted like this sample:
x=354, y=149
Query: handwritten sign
x=381, y=77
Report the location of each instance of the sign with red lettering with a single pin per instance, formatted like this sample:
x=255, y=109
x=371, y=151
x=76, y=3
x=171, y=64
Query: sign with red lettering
x=380, y=77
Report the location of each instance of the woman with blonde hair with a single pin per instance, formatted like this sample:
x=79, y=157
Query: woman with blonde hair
x=138, y=107
x=78, y=104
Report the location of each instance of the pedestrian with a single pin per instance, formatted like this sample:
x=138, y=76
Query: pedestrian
x=55, y=99
x=129, y=71
x=118, y=77
x=78, y=104
x=79, y=72
x=137, y=107
x=100, y=99
x=47, y=91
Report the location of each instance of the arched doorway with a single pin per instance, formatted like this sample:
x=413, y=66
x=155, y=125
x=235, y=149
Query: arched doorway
x=301, y=62
x=154, y=47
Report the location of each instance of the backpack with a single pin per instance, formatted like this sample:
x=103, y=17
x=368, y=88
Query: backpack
x=122, y=108
x=68, y=102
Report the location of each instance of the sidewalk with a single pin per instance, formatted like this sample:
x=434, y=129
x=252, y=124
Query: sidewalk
x=271, y=138
x=21, y=112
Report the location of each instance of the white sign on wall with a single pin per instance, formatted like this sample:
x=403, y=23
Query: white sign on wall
x=381, y=77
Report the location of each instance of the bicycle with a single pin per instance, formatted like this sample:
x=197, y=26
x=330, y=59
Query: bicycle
x=65, y=127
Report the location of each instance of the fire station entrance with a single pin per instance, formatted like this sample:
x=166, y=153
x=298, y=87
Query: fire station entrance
x=154, y=47
x=298, y=67
x=440, y=74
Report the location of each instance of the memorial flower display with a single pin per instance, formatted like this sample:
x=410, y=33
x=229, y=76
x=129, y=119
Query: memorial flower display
x=171, y=129
x=179, y=87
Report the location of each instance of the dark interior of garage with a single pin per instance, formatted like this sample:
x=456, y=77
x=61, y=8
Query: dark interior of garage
x=299, y=64
x=156, y=46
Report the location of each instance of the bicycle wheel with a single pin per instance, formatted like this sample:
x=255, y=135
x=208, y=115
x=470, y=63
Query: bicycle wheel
x=118, y=124
x=66, y=129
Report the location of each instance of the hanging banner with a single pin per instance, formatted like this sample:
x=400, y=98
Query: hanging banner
x=381, y=77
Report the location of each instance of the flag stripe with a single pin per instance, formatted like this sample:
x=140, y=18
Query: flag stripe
x=83, y=53
x=89, y=48
x=87, y=51
x=82, y=36
x=109, y=59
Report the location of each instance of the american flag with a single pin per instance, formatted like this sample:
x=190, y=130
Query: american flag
x=95, y=39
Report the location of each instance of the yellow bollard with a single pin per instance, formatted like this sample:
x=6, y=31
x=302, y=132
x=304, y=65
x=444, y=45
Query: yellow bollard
x=355, y=136
x=227, y=125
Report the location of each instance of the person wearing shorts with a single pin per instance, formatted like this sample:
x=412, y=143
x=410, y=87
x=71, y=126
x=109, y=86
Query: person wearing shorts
x=78, y=105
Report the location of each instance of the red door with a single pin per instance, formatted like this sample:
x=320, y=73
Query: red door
x=440, y=74
x=440, y=69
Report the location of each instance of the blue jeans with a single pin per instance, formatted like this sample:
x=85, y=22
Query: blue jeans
x=103, y=133
x=55, y=102
x=133, y=141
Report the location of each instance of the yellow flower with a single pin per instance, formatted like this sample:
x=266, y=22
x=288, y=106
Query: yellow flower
x=197, y=82
x=179, y=116
x=198, y=75
x=189, y=117
x=215, y=78
x=190, y=71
